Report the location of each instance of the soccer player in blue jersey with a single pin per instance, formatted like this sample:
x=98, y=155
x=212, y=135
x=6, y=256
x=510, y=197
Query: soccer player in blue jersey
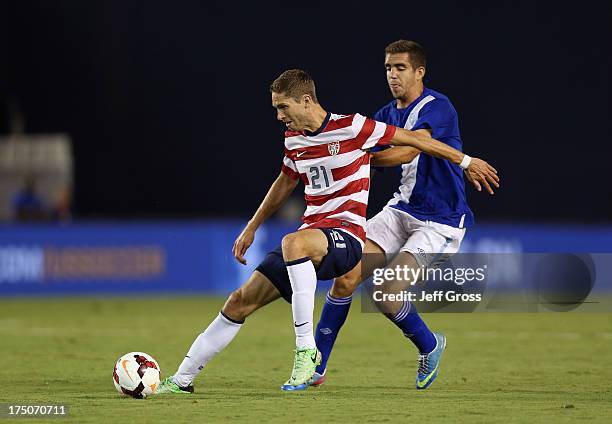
x=425, y=221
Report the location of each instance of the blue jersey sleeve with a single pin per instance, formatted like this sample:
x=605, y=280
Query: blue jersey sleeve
x=440, y=117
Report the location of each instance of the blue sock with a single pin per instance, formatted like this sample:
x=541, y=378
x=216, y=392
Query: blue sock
x=333, y=315
x=413, y=327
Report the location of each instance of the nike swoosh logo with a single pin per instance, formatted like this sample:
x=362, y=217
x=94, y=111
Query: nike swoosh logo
x=125, y=368
x=431, y=374
x=299, y=325
x=299, y=154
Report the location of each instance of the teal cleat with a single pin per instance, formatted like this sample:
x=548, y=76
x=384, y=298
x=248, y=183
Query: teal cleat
x=429, y=364
x=167, y=386
x=304, y=367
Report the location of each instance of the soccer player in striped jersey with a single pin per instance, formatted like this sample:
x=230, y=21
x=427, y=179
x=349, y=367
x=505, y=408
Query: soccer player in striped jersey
x=328, y=152
x=425, y=221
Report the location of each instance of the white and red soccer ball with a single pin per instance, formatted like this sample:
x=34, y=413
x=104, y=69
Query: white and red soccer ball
x=136, y=374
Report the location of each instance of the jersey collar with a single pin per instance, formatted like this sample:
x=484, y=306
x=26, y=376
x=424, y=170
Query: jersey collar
x=424, y=94
x=321, y=128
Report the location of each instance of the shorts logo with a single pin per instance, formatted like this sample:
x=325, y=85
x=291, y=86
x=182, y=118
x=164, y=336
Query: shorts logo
x=333, y=148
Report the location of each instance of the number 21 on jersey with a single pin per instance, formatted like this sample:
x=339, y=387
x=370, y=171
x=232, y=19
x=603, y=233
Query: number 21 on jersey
x=318, y=177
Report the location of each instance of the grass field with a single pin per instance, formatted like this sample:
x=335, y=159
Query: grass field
x=497, y=368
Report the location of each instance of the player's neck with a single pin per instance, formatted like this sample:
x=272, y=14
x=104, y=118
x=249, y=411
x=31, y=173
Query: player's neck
x=411, y=96
x=317, y=118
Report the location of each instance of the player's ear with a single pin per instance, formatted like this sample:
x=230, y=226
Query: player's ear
x=420, y=73
x=307, y=100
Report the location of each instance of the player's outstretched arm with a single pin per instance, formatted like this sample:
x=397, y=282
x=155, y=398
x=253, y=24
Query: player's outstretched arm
x=394, y=157
x=399, y=155
x=278, y=193
x=478, y=172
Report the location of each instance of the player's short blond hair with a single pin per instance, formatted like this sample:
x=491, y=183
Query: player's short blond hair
x=295, y=83
x=416, y=52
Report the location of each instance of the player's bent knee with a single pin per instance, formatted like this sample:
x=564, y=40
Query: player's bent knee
x=236, y=306
x=294, y=245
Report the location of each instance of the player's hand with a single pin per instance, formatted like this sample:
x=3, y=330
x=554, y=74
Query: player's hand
x=480, y=173
x=242, y=243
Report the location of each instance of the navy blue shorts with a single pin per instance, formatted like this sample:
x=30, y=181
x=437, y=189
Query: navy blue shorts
x=343, y=253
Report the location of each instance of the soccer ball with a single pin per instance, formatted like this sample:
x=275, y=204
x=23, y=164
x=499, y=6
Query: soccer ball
x=136, y=374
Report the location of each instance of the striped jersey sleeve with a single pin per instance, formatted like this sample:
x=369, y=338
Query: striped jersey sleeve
x=370, y=133
x=288, y=167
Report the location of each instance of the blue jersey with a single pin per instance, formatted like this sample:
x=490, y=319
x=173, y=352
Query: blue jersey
x=431, y=189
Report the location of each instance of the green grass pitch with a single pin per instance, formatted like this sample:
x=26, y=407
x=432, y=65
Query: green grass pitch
x=497, y=367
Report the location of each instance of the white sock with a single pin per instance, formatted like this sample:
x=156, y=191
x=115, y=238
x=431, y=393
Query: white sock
x=206, y=346
x=303, y=279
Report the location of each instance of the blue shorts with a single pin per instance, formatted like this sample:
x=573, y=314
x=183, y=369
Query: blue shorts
x=343, y=253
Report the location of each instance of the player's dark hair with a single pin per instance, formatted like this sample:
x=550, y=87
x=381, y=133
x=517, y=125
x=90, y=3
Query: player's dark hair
x=295, y=83
x=416, y=52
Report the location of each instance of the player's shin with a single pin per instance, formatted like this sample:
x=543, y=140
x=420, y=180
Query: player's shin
x=334, y=313
x=303, y=279
x=206, y=346
x=413, y=327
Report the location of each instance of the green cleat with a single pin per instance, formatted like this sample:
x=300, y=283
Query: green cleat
x=168, y=386
x=304, y=366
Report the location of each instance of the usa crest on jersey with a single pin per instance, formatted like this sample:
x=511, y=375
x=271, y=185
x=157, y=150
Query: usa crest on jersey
x=333, y=147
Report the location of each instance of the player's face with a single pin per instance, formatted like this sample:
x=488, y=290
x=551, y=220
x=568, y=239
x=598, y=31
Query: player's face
x=289, y=111
x=402, y=78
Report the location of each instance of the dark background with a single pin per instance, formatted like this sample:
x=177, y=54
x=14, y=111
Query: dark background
x=168, y=106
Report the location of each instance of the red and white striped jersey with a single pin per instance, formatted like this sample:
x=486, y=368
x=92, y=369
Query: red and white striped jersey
x=335, y=168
